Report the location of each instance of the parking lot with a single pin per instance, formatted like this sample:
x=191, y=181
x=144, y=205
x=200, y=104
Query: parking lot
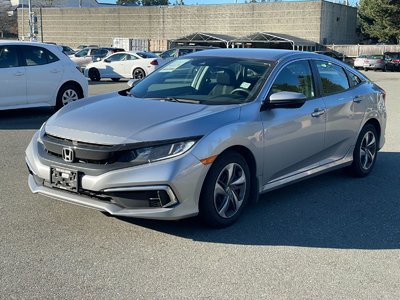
x=330, y=237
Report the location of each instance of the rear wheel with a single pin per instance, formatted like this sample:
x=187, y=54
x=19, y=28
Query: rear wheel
x=68, y=93
x=138, y=73
x=365, y=152
x=226, y=190
x=94, y=74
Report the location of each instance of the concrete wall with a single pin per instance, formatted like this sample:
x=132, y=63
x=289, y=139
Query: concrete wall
x=338, y=24
x=99, y=26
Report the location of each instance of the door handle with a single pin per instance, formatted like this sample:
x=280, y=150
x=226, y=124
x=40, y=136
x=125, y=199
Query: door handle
x=318, y=112
x=19, y=74
x=357, y=99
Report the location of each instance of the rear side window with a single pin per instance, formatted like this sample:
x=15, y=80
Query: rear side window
x=185, y=51
x=37, y=56
x=354, y=79
x=295, y=77
x=333, y=77
x=8, y=57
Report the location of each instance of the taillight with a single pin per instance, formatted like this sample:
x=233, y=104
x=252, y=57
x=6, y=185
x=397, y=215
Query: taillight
x=154, y=62
x=383, y=96
x=396, y=60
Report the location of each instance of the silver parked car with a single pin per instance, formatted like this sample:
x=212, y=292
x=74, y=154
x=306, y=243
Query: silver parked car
x=207, y=132
x=374, y=62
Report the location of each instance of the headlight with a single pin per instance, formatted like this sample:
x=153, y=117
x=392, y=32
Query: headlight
x=156, y=153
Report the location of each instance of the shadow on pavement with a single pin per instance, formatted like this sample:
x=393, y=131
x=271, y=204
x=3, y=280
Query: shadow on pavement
x=330, y=211
x=29, y=118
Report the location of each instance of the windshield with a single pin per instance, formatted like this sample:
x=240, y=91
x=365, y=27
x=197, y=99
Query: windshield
x=206, y=80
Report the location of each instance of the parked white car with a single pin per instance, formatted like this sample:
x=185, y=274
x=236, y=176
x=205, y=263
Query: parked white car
x=134, y=65
x=37, y=74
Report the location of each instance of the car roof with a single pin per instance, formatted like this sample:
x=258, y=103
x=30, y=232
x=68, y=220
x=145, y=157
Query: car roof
x=257, y=53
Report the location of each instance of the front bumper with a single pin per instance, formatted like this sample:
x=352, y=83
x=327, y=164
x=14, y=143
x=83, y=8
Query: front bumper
x=181, y=179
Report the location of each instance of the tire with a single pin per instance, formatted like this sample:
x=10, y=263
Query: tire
x=228, y=179
x=94, y=74
x=138, y=73
x=115, y=79
x=365, y=152
x=68, y=93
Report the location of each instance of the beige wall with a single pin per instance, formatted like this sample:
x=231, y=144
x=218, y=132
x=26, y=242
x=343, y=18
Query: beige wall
x=75, y=26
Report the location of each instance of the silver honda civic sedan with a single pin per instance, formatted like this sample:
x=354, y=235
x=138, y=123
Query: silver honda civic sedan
x=209, y=132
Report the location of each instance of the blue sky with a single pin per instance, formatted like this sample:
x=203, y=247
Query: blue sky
x=188, y=2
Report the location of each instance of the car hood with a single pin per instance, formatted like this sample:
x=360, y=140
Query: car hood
x=114, y=119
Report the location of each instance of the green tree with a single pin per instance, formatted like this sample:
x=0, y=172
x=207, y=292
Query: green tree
x=380, y=19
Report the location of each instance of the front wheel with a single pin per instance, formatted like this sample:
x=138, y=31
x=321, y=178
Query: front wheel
x=94, y=74
x=365, y=152
x=225, y=191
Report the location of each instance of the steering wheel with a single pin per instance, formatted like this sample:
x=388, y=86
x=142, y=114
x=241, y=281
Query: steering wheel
x=240, y=91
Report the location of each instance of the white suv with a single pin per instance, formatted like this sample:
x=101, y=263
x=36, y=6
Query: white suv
x=36, y=74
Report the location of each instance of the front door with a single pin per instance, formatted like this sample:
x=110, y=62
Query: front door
x=293, y=137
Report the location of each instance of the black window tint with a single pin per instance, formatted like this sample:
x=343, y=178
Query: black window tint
x=333, y=78
x=295, y=77
x=185, y=51
x=50, y=56
x=8, y=57
x=354, y=79
x=35, y=56
x=116, y=57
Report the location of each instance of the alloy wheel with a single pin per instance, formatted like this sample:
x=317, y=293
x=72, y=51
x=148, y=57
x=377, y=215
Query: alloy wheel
x=230, y=190
x=69, y=96
x=367, y=150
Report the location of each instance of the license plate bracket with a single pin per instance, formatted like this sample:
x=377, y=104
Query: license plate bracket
x=65, y=179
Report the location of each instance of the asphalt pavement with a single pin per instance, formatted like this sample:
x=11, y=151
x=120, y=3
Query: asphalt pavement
x=330, y=237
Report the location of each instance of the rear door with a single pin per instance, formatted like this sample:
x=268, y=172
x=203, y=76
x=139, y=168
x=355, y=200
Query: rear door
x=345, y=104
x=44, y=71
x=12, y=78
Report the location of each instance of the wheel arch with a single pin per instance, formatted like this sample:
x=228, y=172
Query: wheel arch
x=74, y=83
x=374, y=122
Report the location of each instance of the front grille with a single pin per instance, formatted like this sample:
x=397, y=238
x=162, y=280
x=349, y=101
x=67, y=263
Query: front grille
x=84, y=152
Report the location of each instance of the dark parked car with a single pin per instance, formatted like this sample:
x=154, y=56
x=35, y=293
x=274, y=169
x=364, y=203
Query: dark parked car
x=333, y=54
x=392, y=61
x=180, y=51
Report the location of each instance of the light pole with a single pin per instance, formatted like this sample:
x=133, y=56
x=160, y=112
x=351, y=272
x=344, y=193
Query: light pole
x=32, y=36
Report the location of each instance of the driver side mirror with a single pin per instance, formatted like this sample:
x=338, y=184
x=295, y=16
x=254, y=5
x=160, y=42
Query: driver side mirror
x=284, y=100
x=131, y=83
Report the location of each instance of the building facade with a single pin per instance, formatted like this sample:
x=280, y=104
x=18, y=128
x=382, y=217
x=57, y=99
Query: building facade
x=319, y=21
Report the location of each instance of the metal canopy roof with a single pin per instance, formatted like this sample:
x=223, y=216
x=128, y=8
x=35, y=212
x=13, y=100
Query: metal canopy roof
x=269, y=37
x=201, y=37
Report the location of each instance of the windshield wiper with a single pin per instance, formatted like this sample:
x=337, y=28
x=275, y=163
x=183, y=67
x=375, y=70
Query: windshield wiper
x=180, y=100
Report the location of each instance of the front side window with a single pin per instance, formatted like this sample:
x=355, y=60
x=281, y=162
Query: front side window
x=206, y=80
x=82, y=53
x=333, y=77
x=295, y=77
x=37, y=56
x=8, y=57
x=354, y=79
x=116, y=57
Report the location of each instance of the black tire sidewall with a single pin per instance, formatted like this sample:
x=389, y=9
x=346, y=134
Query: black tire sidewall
x=59, y=103
x=207, y=211
x=138, y=69
x=356, y=168
x=94, y=74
